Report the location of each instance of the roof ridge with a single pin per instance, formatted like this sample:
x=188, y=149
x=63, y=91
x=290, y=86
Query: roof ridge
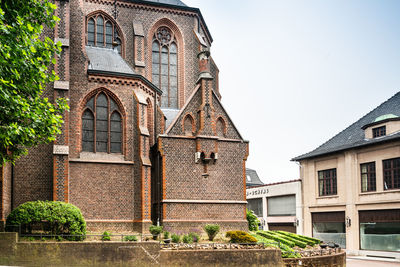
x=383, y=103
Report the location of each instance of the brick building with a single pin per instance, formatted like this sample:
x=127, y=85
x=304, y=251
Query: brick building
x=146, y=138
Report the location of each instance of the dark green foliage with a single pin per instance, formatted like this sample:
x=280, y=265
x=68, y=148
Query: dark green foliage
x=211, y=230
x=252, y=220
x=310, y=241
x=240, y=237
x=155, y=230
x=175, y=238
x=195, y=237
x=60, y=218
x=187, y=239
x=276, y=238
x=26, y=118
x=297, y=242
x=106, y=236
x=130, y=238
x=166, y=235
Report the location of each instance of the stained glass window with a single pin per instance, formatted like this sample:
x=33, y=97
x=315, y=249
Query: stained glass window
x=102, y=32
x=165, y=66
x=102, y=125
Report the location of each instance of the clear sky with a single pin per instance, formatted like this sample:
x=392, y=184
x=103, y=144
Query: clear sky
x=293, y=73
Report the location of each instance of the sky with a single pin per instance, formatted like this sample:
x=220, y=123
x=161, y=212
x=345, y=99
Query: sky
x=294, y=73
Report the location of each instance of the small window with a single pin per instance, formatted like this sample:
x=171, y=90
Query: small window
x=327, y=182
x=368, y=180
x=379, y=131
x=102, y=32
x=391, y=174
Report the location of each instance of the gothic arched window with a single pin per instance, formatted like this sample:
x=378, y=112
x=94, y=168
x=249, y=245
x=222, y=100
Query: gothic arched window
x=165, y=66
x=102, y=32
x=101, y=125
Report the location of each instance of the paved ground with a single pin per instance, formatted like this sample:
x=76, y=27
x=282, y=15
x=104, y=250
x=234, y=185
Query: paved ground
x=351, y=262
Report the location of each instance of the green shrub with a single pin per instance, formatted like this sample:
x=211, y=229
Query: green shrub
x=252, y=220
x=130, y=238
x=106, y=236
x=276, y=238
x=61, y=218
x=175, y=238
x=166, y=235
x=300, y=237
x=155, y=230
x=195, y=237
x=240, y=237
x=211, y=230
x=297, y=242
x=187, y=239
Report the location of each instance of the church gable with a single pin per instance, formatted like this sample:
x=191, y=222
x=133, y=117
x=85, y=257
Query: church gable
x=187, y=118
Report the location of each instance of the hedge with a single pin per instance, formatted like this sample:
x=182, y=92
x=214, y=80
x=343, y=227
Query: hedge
x=302, y=238
x=276, y=238
x=287, y=252
x=60, y=218
x=298, y=243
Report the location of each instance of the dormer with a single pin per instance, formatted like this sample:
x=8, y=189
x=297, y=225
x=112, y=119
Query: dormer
x=382, y=126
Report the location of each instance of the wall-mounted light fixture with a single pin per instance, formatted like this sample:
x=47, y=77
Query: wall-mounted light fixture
x=348, y=221
x=296, y=222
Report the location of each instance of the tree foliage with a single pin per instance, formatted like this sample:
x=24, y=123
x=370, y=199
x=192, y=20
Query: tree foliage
x=26, y=117
x=252, y=220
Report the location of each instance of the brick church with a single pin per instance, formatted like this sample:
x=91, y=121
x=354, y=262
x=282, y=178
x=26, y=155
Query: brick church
x=146, y=139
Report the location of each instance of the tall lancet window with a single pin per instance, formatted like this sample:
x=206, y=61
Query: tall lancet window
x=165, y=66
x=102, y=125
x=102, y=32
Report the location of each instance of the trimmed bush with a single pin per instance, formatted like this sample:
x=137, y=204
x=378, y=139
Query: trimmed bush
x=106, y=236
x=297, y=242
x=276, y=238
x=211, y=230
x=252, y=220
x=155, y=231
x=60, y=218
x=130, y=238
x=300, y=237
x=240, y=237
x=175, y=238
x=195, y=237
x=187, y=239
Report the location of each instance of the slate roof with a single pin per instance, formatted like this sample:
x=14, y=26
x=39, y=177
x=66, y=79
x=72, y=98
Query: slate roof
x=168, y=2
x=106, y=59
x=170, y=115
x=252, y=178
x=353, y=136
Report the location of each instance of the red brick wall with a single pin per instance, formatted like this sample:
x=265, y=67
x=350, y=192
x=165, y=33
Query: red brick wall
x=102, y=191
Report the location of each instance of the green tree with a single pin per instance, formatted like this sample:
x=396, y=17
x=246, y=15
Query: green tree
x=252, y=220
x=26, y=117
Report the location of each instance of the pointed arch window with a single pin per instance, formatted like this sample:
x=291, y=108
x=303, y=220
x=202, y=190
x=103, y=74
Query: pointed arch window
x=101, y=125
x=102, y=32
x=165, y=66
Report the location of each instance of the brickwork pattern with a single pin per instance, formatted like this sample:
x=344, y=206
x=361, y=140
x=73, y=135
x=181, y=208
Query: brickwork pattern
x=196, y=211
x=33, y=175
x=231, y=131
x=102, y=191
x=5, y=191
x=191, y=108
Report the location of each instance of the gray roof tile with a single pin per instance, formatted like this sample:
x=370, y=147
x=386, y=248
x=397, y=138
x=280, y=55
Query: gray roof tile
x=252, y=178
x=353, y=136
x=106, y=59
x=168, y=2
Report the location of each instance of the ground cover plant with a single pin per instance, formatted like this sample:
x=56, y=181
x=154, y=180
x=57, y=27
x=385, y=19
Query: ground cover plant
x=106, y=236
x=130, y=238
x=240, y=237
x=54, y=218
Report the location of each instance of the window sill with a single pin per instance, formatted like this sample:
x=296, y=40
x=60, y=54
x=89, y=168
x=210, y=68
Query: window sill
x=100, y=157
x=379, y=192
x=324, y=197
